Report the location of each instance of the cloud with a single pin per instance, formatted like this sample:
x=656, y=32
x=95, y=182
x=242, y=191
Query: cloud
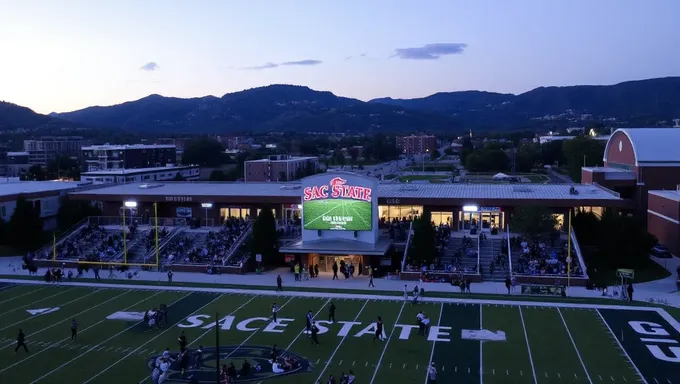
x=352, y=57
x=150, y=66
x=430, y=51
x=307, y=62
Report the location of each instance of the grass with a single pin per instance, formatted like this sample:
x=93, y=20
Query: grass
x=547, y=344
x=344, y=214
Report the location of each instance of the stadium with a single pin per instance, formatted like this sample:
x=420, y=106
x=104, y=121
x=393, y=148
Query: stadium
x=200, y=232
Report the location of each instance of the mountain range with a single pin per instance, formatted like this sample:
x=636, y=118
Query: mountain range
x=283, y=108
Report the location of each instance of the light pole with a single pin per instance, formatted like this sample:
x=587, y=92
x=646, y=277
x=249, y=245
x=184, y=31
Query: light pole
x=424, y=154
x=126, y=205
x=206, y=206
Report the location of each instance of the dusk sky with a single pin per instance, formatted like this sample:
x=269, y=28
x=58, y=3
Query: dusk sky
x=62, y=55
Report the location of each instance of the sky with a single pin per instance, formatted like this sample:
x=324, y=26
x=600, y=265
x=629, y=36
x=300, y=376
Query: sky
x=64, y=55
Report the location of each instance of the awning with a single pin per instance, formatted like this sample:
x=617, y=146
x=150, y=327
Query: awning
x=339, y=247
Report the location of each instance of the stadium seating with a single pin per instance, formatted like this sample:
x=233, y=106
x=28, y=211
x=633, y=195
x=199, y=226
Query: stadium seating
x=543, y=258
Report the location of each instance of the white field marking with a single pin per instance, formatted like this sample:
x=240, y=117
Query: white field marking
x=621, y=347
x=147, y=342
x=303, y=331
x=340, y=295
x=339, y=344
x=578, y=354
x=531, y=359
x=71, y=317
x=35, y=302
x=48, y=312
x=481, y=356
x=7, y=287
x=441, y=309
x=23, y=294
x=377, y=366
x=100, y=345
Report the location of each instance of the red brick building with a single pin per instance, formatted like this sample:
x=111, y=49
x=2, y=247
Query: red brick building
x=416, y=145
x=643, y=165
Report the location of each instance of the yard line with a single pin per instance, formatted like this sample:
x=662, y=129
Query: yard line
x=644, y=381
x=338, y=346
x=210, y=330
x=7, y=287
x=68, y=338
x=575, y=349
x=377, y=366
x=23, y=294
x=47, y=313
x=147, y=342
x=71, y=317
x=303, y=331
x=37, y=301
x=481, y=368
x=441, y=309
x=531, y=359
x=100, y=345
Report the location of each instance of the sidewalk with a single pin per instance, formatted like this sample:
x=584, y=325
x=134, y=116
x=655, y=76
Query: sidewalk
x=664, y=290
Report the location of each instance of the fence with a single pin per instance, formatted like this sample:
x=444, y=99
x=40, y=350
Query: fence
x=239, y=241
x=479, y=252
x=509, y=250
x=162, y=243
x=114, y=220
x=577, y=250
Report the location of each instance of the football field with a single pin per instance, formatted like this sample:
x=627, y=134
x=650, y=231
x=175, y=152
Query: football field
x=339, y=214
x=468, y=342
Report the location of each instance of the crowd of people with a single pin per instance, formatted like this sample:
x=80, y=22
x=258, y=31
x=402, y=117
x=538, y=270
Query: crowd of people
x=397, y=229
x=93, y=242
x=541, y=258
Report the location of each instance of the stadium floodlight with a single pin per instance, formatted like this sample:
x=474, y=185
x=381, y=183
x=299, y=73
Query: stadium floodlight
x=206, y=205
x=130, y=204
x=470, y=208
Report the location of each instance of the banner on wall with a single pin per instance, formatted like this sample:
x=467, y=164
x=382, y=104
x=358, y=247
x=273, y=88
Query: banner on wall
x=183, y=212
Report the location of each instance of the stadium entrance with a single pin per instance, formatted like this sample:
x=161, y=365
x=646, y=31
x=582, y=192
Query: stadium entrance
x=325, y=262
x=481, y=218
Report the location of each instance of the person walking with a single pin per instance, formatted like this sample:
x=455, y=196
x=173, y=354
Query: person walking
x=297, y=272
x=331, y=313
x=74, y=330
x=279, y=284
x=630, y=291
x=335, y=270
x=432, y=374
x=370, y=279
x=21, y=342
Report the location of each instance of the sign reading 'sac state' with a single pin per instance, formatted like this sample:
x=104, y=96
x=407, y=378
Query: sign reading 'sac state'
x=338, y=204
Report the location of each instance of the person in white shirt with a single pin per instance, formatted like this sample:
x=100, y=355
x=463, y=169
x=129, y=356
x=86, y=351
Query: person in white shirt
x=432, y=374
x=405, y=292
x=419, y=318
x=275, y=311
x=426, y=325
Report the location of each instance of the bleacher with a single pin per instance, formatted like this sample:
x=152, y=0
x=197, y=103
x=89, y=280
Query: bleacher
x=396, y=230
x=547, y=257
x=461, y=254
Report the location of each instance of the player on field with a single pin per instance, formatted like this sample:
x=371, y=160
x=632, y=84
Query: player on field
x=21, y=341
x=315, y=332
x=275, y=311
x=419, y=318
x=432, y=374
x=331, y=313
x=310, y=320
x=74, y=330
x=379, y=330
x=182, y=340
x=405, y=292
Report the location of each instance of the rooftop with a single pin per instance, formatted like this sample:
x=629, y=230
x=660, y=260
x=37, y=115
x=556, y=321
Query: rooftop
x=385, y=190
x=290, y=158
x=126, y=146
x=653, y=145
x=17, y=154
x=669, y=195
x=10, y=187
x=135, y=171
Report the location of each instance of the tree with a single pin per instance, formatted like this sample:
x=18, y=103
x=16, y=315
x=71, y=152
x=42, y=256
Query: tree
x=338, y=157
x=533, y=221
x=217, y=175
x=551, y=153
x=206, y=152
x=354, y=153
x=526, y=158
x=25, y=225
x=435, y=155
x=36, y=173
x=282, y=176
x=178, y=177
x=265, y=237
x=64, y=167
x=449, y=151
x=487, y=160
x=71, y=212
x=623, y=241
x=466, y=150
x=581, y=152
x=423, y=243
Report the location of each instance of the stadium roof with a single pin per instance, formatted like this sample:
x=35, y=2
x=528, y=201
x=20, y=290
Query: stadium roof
x=669, y=195
x=653, y=145
x=385, y=190
x=10, y=187
x=335, y=246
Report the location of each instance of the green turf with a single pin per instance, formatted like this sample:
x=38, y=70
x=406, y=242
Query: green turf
x=338, y=214
x=542, y=344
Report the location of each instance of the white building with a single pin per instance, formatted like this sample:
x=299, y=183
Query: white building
x=140, y=175
x=45, y=196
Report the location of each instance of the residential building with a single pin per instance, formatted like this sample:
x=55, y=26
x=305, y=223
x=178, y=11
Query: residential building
x=47, y=148
x=141, y=175
x=280, y=168
x=17, y=163
x=108, y=157
x=416, y=145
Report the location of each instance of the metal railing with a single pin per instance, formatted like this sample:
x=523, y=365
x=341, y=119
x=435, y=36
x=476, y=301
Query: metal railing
x=509, y=250
x=577, y=250
x=408, y=244
x=163, y=242
x=239, y=241
x=114, y=220
x=207, y=222
x=479, y=252
x=168, y=221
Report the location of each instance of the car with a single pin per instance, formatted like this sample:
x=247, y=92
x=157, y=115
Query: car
x=661, y=251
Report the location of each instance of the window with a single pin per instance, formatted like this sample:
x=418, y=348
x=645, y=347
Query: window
x=389, y=212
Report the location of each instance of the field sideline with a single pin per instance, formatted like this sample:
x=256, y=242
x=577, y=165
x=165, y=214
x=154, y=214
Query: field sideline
x=538, y=342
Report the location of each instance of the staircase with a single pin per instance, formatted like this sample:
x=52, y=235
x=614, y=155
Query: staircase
x=136, y=248
x=455, y=245
x=489, y=249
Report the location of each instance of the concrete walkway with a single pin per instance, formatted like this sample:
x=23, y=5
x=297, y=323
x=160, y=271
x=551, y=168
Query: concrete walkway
x=662, y=291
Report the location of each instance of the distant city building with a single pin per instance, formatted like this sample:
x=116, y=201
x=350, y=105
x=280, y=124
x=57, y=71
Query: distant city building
x=234, y=142
x=416, y=145
x=546, y=139
x=280, y=168
x=3, y=159
x=142, y=175
x=108, y=157
x=47, y=148
x=17, y=163
x=44, y=195
x=179, y=143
